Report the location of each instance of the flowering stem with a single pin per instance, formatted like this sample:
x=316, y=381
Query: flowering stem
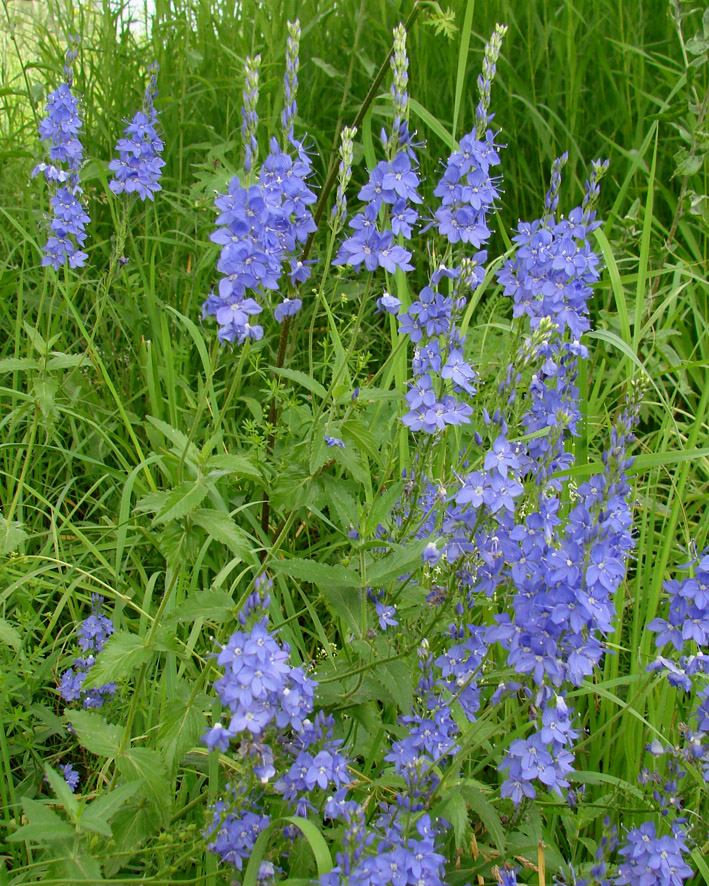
x=317, y=217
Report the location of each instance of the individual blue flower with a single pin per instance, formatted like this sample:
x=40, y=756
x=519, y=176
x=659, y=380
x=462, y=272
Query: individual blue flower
x=289, y=307
x=389, y=303
x=386, y=615
x=334, y=441
x=139, y=166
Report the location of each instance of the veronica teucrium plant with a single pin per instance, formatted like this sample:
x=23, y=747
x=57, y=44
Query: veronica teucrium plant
x=139, y=165
x=423, y=718
x=60, y=130
x=505, y=617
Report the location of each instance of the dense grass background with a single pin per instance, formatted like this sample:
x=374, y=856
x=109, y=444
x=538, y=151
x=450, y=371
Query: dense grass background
x=83, y=364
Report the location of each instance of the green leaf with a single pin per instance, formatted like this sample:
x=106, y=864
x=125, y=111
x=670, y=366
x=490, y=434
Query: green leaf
x=234, y=464
x=95, y=817
x=302, y=379
x=94, y=733
x=179, y=440
x=45, y=392
x=364, y=439
x=19, y=364
x=183, y=499
x=181, y=724
x=351, y=461
x=222, y=528
x=80, y=869
x=123, y=653
x=62, y=792
x=44, y=825
x=454, y=809
x=9, y=636
x=395, y=676
x=345, y=603
x=687, y=163
x=147, y=765
x=404, y=559
x=325, y=67
x=382, y=505
x=11, y=536
x=315, y=839
x=487, y=813
x=133, y=824
x=319, y=574
x=214, y=604
x=67, y=361
x=433, y=124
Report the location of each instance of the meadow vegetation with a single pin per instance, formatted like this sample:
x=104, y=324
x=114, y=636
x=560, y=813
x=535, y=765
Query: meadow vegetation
x=370, y=553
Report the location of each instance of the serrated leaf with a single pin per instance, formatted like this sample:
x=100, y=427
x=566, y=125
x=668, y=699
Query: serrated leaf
x=179, y=440
x=181, y=724
x=354, y=430
x=341, y=500
x=80, y=869
x=146, y=765
x=687, y=163
x=487, y=814
x=234, y=464
x=182, y=500
x=351, y=461
x=11, y=536
x=123, y=653
x=404, y=559
x=45, y=391
x=38, y=343
x=100, y=811
x=381, y=508
x=319, y=574
x=222, y=527
x=302, y=379
x=132, y=826
x=344, y=603
x=66, y=361
x=213, y=604
x=152, y=502
x=18, y=364
x=9, y=636
x=454, y=810
x=395, y=676
x=44, y=825
x=319, y=453
x=62, y=791
x=94, y=733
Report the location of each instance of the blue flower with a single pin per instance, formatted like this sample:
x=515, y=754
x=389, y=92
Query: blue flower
x=71, y=776
x=61, y=129
x=138, y=169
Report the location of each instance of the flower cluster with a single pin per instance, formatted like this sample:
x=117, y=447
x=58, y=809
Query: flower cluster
x=138, y=167
x=60, y=128
x=686, y=628
x=654, y=861
x=262, y=225
x=94, y=631
x=270, y=703
x=391, y=189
